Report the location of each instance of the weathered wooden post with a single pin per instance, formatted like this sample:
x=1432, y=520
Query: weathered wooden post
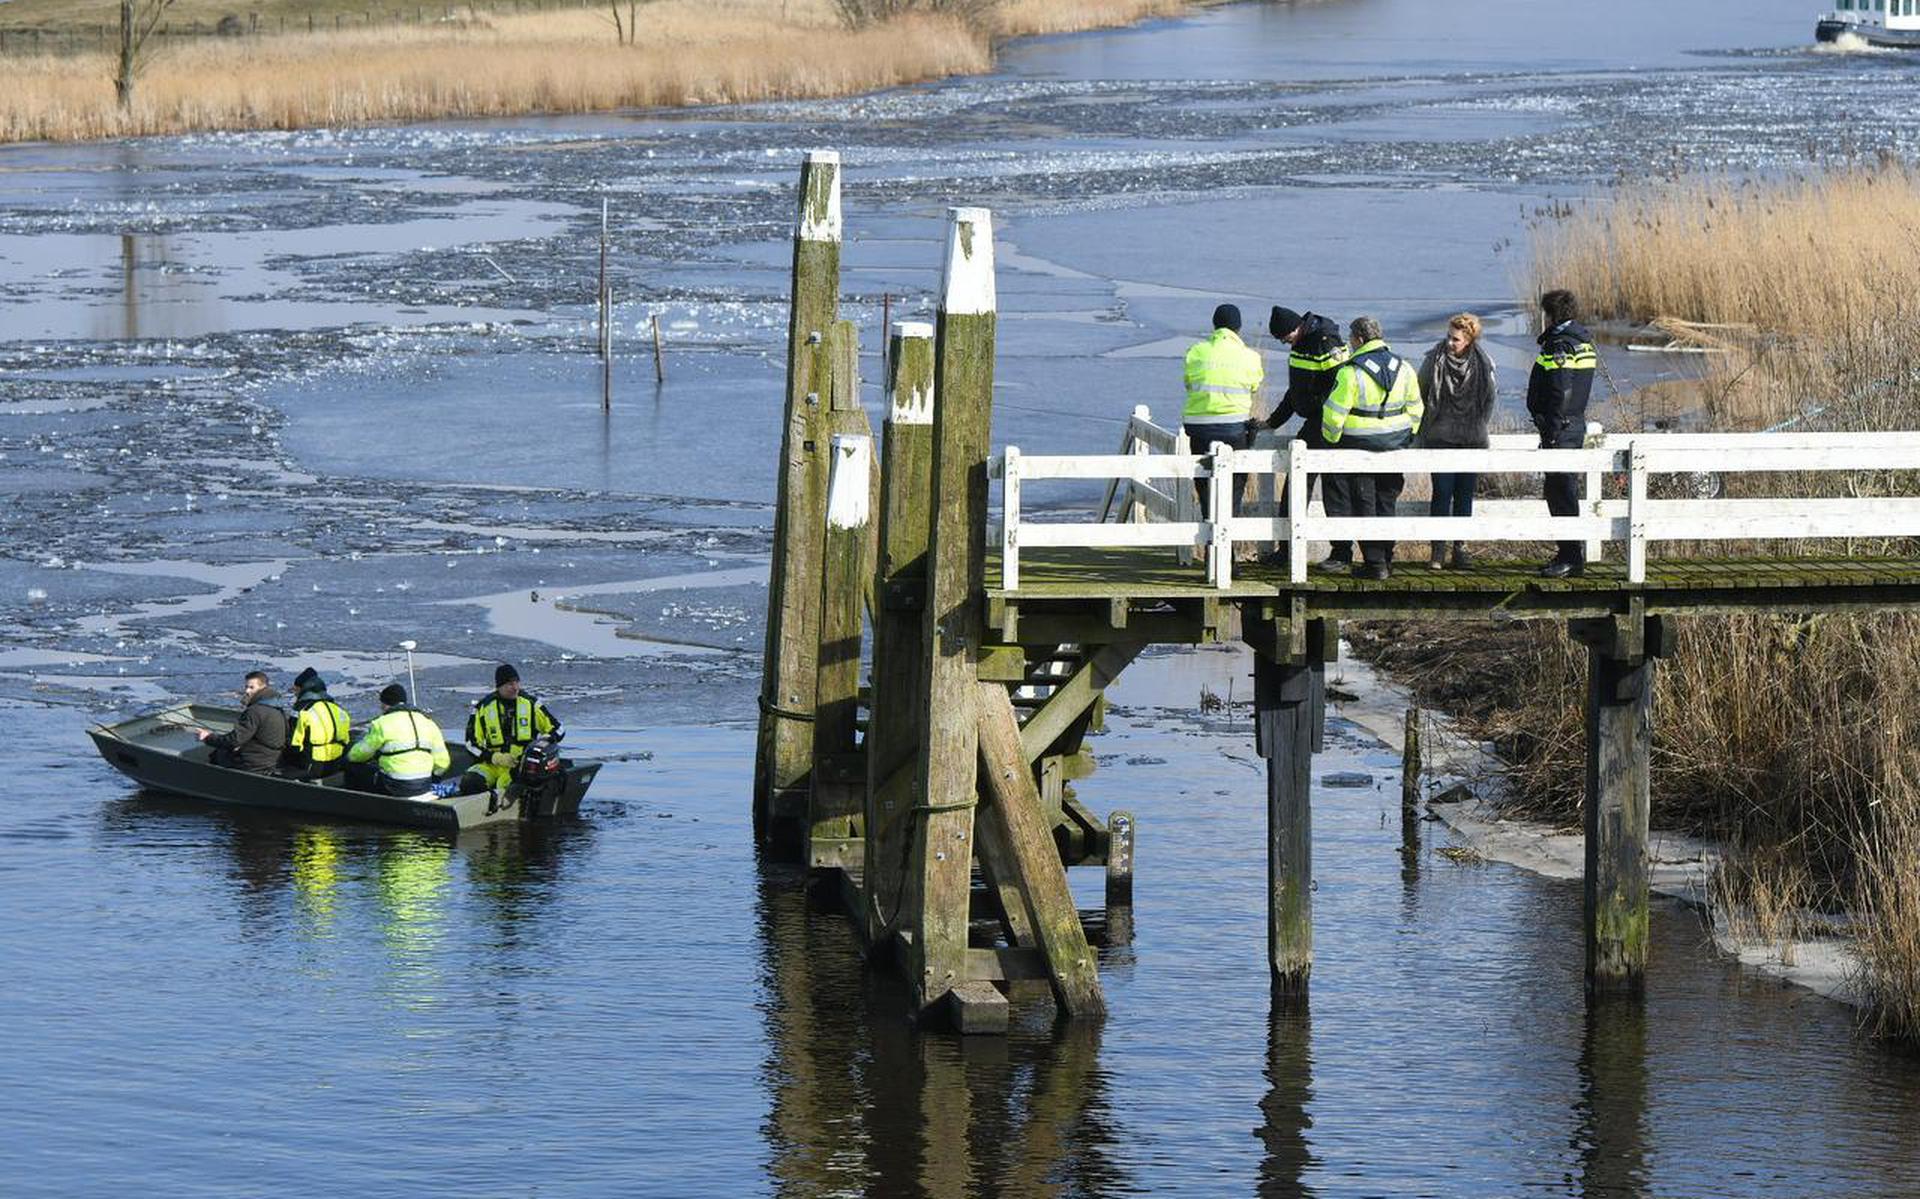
x=789, y=676
x=946, y=767
x=1283, y=714
x=899, y=602
x=1619, y=735
x=838, y=781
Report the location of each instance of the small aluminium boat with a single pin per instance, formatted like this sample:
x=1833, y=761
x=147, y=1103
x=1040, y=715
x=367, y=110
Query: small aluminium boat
x=1888, y=24
x=160, y=751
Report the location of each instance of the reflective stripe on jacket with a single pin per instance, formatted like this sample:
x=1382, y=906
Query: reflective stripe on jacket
x=1375, y=403
x=406, y=741
x=1222, y=375
x=1562, y=379
x=1311, y=364
x=321, y=729
x=493, y=729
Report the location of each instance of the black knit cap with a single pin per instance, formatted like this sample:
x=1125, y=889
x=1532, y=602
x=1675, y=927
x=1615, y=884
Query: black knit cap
x=504, y=674
x=393, y=695
x=1227, y=316
x=1283, y=321
x=309, y=680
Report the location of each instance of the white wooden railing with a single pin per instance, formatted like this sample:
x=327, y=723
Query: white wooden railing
x=1156, y=482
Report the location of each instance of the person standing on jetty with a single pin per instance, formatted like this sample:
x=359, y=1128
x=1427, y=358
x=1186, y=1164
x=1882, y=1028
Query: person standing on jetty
x=1456, y=391
x=1557, y=393
x=1374, y=406
x=1222, y=374
x=1315, y=351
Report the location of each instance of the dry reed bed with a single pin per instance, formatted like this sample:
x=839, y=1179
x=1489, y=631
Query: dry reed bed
x=689, y=52
x=1797, y=741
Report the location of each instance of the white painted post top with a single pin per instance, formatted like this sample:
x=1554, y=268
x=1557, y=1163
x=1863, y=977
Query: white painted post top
x=967, y=287
x=820, y=213
x=848, y=483
x=913, y=329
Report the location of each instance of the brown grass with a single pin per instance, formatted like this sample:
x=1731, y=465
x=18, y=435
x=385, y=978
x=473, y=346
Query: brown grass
x=482, y=65
x=1795, y=740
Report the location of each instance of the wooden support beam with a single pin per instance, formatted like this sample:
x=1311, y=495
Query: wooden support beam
x=1003, y=664
x=789, y=673
x=836, y=809
x=1074, y=697
x=1002, y=965
x=976, y=1008
x=1323, y=646
x=1015, y=916
x=1619, y=737
x=897, y=710
x=1283, y=712
x=946, y=767
x=1013, y=806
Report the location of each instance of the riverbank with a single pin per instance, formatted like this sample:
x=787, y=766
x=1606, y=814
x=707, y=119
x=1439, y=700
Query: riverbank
x=481, y=63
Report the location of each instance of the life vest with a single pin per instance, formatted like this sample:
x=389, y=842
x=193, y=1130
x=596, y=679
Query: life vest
x=322, y=730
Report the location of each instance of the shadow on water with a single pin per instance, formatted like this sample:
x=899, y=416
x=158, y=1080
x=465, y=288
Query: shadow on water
x=865, y=1103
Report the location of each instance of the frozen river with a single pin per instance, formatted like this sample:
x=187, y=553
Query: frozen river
x=277, y=399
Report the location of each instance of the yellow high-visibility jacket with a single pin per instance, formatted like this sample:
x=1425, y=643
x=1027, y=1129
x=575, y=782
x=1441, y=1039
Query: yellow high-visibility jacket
x=1375, y=403
x=1222, y=375
x=407, y=742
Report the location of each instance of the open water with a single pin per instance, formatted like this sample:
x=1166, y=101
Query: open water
x=273, y=399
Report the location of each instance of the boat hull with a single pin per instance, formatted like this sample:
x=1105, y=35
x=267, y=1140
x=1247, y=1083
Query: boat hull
x=1884, y=39
x=160, y=752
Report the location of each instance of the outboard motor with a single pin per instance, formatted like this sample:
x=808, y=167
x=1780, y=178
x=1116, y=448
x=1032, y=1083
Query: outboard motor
x=541, y=776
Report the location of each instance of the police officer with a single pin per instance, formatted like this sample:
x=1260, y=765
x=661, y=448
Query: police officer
x=1374, y=406
x=321, y=728
x=405, y=746
x=1315, y=351
x=502, y=726
x=1557, y=393
x=1222, y=374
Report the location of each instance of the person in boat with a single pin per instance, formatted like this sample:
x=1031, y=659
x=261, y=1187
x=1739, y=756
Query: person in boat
x=1315, y=350
x=259, y=736
x=401, y=749
x=322, y=729
x=1557, y=393
x=1457, y=391
x=1374, y=407
x=500, y=729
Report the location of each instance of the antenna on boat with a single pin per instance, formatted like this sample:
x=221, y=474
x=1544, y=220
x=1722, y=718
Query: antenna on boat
x=413, y=688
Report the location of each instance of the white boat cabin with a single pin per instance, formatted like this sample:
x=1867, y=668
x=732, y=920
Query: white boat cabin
x=1879, y=14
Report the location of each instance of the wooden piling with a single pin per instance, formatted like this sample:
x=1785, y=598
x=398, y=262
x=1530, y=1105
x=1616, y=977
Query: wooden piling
x=894, y=729
x=1283, y=712
x=839, y=781
x=946, y=765
x=1619, y=724
x=1410, y=765
x=1120, y=833
x=659, y=356
x=785, y=754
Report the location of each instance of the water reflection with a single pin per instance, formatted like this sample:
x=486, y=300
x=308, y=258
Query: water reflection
x=1287, y=1109
x=1611, y=1111
x=865, y=1103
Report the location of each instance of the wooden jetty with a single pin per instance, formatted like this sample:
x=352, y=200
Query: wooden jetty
x=940, y=799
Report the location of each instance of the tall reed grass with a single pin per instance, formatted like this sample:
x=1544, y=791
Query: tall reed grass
x=1796, y=740
x=479, y=65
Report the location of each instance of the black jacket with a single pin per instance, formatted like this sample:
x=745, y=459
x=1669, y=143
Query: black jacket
x=1456, y=419
x=1561, y=383
x=1311, y=365
x=259, y=736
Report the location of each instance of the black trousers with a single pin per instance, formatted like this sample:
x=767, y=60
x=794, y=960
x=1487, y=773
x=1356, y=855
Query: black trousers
x=1310, y=434
x=1563, y=491
x=1239, y=437
x=1365, y=495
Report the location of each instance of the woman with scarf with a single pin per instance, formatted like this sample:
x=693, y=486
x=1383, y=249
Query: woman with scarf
x=1456, y=378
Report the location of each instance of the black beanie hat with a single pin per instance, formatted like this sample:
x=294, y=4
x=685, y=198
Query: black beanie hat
x=1283, y=321
x=504, y=674
x=1226, y=317
x=393, y=695
x=309, y=680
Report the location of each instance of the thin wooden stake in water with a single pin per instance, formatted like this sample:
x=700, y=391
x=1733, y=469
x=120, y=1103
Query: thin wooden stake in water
x=659, y=361
x=602, y=294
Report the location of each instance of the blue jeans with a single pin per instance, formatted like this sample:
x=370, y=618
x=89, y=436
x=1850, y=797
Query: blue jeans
x=1453, y=494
